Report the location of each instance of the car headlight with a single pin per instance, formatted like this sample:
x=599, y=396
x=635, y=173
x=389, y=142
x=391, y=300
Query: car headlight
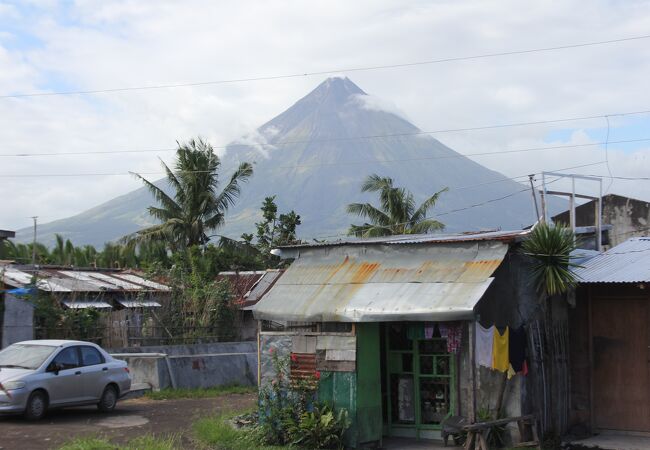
x=13, y=385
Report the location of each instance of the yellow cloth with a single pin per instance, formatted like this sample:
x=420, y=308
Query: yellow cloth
x=500, y=355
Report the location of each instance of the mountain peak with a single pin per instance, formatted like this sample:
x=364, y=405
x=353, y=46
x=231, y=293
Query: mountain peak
x=334, y=90
x=338, y=86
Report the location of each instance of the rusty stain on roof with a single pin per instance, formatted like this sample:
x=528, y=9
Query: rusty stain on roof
x=353, y=283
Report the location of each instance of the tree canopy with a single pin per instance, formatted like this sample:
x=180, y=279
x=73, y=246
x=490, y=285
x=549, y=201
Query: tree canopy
x=397, y=212
x=195, y=206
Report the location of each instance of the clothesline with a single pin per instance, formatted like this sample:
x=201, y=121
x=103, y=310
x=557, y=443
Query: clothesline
x=505, y=352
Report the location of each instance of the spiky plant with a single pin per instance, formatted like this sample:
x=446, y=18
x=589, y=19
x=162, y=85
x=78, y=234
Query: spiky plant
x=550, y=248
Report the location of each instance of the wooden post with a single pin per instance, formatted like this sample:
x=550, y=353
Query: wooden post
x=472, y=370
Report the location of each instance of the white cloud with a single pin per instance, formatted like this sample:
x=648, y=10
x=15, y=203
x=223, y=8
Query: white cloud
x=99, y=44
x=375, y=103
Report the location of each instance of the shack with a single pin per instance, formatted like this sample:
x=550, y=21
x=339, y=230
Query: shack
x=610, y=341
x=124, y=297
x=395, y=328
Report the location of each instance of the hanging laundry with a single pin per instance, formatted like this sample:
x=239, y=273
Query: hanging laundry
x=500, y=359
x=454, y=336
x=428, y=330
x=444, y=330
x=415, y=331
x=484, y=343
x=517, y=346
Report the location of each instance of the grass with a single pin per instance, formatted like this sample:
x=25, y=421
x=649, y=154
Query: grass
x=141, y=443
x=218, y=434
x=181, y=393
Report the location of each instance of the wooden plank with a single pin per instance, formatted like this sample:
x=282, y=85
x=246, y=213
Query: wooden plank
x=492, y=423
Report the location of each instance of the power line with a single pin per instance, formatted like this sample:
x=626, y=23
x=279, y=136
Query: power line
x=354, y=138
x=486, y=201
x=349, y=163
x=330, y=71
x=476, y=205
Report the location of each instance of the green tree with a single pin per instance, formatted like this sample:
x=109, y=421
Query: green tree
x=196, y=206
x=397, y=212
x=273, y=231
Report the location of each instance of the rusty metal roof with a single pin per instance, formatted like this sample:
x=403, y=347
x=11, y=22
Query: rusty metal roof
x=70, y=280
x=628, y=262
x=250, y=286
x=355, y=283
x=434, y=238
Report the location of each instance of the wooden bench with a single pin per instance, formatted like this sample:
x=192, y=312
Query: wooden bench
x=477, y=433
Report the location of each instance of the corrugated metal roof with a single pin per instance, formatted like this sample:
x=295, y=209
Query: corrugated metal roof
x=66, y=280
x=262, y=286
x=470, y=236
x=79, y=304
x=368, y=284
x=138, y=303
x=249, y=286
x=628, y=262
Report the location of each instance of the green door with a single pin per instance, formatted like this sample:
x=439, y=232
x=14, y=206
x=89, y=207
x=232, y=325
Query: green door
x=420, y=380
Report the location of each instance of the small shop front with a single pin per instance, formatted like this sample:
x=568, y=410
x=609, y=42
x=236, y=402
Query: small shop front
x=419, y=380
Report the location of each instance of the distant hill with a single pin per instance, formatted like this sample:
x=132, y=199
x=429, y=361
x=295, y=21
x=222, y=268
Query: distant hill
x=314, y=157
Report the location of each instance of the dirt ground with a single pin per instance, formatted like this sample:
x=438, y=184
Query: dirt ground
x=131, y=418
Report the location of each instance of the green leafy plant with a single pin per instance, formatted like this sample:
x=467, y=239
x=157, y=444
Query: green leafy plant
x=291, y=415
x=550, y=247
x=319, y=428
x=496, y=435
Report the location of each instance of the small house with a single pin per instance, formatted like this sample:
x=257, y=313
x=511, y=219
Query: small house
x=610, y=341
x=122, y=296
x=395, y=328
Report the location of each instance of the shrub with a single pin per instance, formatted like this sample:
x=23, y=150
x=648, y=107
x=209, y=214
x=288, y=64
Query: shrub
x=290, y=413
x=320, y=428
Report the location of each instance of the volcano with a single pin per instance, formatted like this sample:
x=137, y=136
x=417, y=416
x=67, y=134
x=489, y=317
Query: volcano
x=314, y=157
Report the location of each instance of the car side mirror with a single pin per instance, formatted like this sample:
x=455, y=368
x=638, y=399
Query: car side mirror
x=55, y=367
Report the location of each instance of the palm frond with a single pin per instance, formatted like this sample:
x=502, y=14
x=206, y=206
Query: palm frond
x=231, y=191
x=366, y=210
x=426, y=205
x=426, y=226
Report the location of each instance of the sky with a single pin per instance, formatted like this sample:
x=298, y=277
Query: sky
x=48, y=46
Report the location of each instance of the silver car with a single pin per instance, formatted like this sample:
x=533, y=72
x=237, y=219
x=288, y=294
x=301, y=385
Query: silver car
x=42, y=374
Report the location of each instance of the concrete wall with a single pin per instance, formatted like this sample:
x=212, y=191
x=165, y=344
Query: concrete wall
x=629, y=217
x=194, y=366
x=18, y=320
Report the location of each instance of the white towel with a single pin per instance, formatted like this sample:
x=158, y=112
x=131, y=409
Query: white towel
x=484, y=343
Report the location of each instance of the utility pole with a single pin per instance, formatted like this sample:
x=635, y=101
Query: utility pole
x=532, y=191
x=34, y=243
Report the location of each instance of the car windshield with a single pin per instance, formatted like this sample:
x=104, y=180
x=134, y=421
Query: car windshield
x=25, y=356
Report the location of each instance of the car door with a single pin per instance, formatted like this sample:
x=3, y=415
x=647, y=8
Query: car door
x=94, y=372
x=63, y=386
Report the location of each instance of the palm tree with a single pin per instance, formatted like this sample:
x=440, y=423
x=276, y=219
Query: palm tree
x=195, y=207
x=397, y=213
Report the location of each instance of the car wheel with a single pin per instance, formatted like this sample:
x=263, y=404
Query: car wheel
x=109, y=399
x=36, y=406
